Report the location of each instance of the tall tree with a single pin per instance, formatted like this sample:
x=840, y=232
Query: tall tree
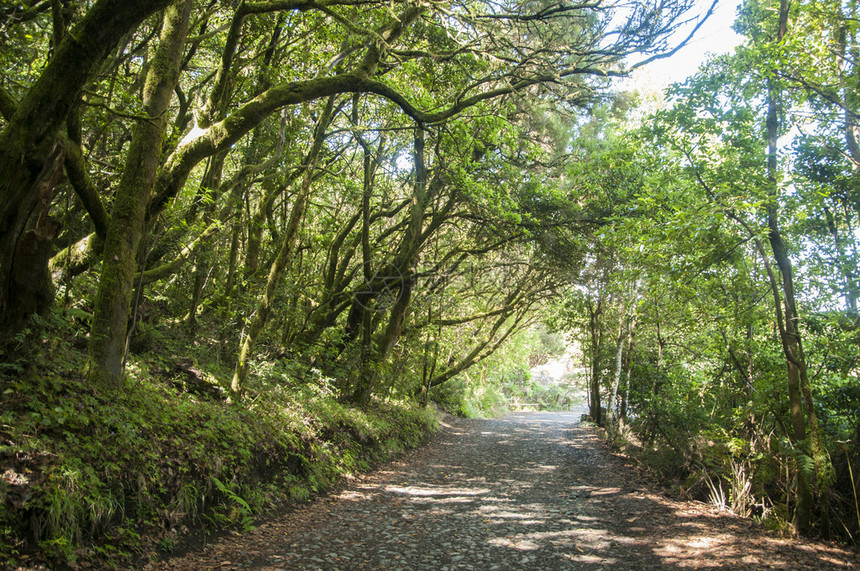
x=32, y=155
x=482, y=54
x=110, y=320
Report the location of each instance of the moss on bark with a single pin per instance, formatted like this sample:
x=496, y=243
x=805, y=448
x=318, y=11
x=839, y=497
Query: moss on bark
x=27, y=139
x=110, y=319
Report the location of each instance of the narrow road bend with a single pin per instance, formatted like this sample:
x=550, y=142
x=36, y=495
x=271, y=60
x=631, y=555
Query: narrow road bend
x=529, y=491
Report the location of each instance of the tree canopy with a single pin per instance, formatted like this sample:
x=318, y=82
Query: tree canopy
x=378, y=198
x=726, y=322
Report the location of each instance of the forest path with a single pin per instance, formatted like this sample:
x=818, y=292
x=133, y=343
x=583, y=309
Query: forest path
x=529, y=491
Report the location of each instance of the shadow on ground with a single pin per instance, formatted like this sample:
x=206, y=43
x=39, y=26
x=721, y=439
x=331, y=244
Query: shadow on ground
x=530, y=491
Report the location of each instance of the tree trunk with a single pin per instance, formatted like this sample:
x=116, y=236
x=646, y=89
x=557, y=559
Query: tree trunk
x=619, y=353
x=387, y=342
x=594, y=312
x=110, y=319
x=27, y=153
x=288, y=242
x=798, y=383
x=210, y=185
x=403, y=265
x=628, y=365
x=367, y=373
x=431, y=352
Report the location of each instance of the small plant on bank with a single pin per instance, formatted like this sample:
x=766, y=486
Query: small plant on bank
x=98, y=478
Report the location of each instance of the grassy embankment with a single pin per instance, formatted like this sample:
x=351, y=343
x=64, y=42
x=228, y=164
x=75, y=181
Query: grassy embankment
x=105, y=478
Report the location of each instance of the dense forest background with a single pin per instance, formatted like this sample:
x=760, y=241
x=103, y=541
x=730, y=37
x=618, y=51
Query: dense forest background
x=244, y=244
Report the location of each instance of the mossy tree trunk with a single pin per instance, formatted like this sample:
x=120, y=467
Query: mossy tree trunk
x=404, y=264
x=804, y=419
x=210, y=186
x=28, y=148
x=366, y=371
x=110, y=319
x=285, y=253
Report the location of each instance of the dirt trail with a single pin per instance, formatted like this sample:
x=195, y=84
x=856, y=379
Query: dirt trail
x=530, y=491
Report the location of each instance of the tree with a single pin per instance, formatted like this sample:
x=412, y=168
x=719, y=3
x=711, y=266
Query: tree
x=484, y=55
x=108, y=334
x=32, y=157
x=729, y=142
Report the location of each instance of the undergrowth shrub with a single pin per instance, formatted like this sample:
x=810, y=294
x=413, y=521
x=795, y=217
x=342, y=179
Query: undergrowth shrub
x=106, y=478
x=727, y=443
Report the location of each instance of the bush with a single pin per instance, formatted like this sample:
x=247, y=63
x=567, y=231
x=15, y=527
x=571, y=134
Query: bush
x=106, y=478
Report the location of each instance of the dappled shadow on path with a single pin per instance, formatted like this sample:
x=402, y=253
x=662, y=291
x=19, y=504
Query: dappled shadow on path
x=531, y=491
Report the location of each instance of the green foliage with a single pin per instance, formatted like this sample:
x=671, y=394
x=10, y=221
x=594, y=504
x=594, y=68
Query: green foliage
x=483, y=402
x=681, y=263
x=503, y=381
x=240, y=509
x=104, y=477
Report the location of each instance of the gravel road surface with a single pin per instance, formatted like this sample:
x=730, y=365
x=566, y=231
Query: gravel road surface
x=529, y=491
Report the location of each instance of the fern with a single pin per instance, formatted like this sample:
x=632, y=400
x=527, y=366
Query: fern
x=245, y=511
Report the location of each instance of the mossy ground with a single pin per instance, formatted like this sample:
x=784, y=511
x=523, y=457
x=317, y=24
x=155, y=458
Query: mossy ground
x=87, y=476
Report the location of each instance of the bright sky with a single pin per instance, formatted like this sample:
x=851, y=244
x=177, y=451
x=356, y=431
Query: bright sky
x=715, y=37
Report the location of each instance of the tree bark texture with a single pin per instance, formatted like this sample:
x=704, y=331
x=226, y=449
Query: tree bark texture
x=27, y=142
x=282, y=261
x=110, y=319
